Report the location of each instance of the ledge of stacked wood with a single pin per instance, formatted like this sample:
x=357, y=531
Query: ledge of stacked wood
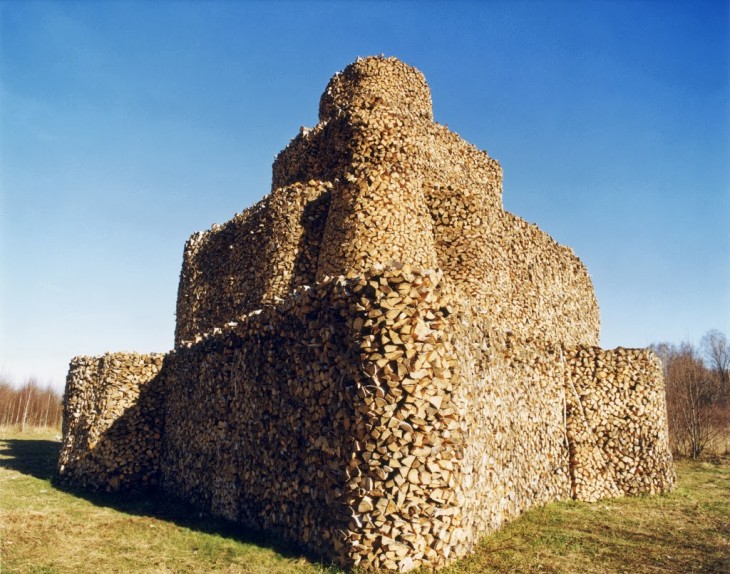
x=256, y=258
x=112, y=422
x=376, y=181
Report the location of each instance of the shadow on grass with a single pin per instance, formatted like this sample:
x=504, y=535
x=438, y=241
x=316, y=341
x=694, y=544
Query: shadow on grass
x=37, y=458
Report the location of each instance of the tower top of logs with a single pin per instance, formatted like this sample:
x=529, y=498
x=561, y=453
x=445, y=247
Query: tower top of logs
x=377, y=81
x=377, y=181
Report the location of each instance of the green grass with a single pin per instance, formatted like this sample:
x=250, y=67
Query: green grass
x=46, y=529
x=682, y=532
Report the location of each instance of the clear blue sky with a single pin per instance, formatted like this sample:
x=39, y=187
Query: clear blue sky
x=127, y=126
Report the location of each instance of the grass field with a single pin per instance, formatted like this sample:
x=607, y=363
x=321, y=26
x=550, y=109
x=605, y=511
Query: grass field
x=47, y=530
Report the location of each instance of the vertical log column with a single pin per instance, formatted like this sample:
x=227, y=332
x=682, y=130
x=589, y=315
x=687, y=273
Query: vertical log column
x=378, y=213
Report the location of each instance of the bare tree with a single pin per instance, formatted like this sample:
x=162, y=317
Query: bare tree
x=692, y=399
x=27, y=390
x=716, y=349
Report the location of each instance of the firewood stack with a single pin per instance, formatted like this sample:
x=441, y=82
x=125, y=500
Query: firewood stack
x=616, y=423
x=512, y=403
x=376, y=360
x=112, y=422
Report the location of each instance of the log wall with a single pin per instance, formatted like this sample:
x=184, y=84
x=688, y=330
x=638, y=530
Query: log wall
x=377, y=420
x=327, y=420
x=617, y=423
x=512, y=403
x=112, y=422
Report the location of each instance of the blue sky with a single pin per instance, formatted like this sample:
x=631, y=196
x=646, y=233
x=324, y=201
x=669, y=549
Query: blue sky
x=127, y=126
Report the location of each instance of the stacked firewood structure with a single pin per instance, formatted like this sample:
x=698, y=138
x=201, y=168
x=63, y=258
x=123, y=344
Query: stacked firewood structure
x=108, y=401
x=375, y=361
x=616, y=438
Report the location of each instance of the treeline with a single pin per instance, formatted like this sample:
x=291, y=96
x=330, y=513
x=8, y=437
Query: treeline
x=29, y=405
x=698, y=394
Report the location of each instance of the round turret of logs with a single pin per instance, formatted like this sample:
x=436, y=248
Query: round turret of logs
x=377, y=81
